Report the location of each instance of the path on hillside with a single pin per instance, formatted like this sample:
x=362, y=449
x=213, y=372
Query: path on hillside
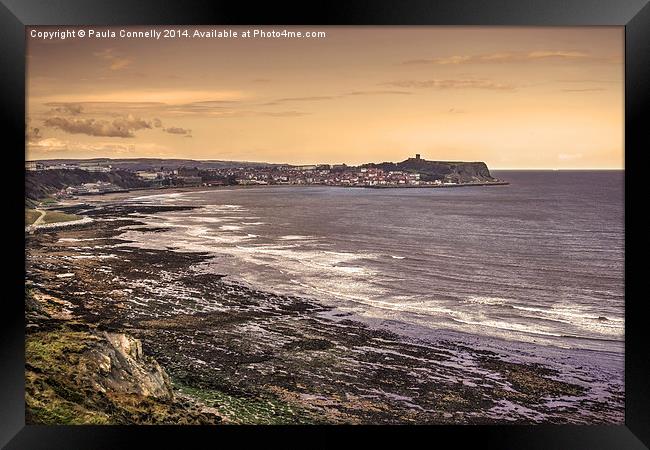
x=40, y=218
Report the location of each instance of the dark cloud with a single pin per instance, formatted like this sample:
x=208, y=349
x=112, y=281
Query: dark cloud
x=68, y=108
x=124, y=127
x=177, y=130
x=451, y=84
x=205, y=108
x=32, y=134
x=103, y=106
x=98, y=120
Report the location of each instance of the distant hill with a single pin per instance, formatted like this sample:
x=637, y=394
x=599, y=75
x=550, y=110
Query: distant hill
x=156, y=163
x=450, y=171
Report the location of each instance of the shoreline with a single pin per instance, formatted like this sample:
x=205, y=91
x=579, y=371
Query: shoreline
x=433, y=186
x=136, y=192
x=277, y=347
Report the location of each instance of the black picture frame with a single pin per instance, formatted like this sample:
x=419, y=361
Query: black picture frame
x=15, y=15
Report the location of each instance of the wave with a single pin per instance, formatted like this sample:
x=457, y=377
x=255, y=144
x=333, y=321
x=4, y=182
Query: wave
x=487, y=300
x=230, y=227
x=500, y=325
x=570, y=313
x=143, y=198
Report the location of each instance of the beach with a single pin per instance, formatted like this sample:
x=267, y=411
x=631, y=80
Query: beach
x=256, y=355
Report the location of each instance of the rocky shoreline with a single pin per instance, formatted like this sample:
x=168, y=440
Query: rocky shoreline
x=194, y=347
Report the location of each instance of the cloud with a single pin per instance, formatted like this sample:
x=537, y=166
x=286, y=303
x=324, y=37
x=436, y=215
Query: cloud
x=206, y=108
x=101, y=109
x=55, y=145
x=89, y=107
x=448, y=60
x=115, y=60
x=32, y=134
x=210, y=107
x=315, y=98
x=63, y=148
x=68, y=108
x=333, y=97
x=281, y=114
x=124, y=127
x=451, y=84
x=584, y=90
x=512, y=57
x=147, y=96
x=588, y=80
x=178, y=130
x=557, y=54
x=376, y=92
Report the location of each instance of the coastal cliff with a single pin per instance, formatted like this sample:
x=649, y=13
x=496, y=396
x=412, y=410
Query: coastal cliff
x=78, y=374
x=446, y=171
x=41, y=183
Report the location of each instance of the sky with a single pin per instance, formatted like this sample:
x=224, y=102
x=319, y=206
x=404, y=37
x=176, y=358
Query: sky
x=516, y=98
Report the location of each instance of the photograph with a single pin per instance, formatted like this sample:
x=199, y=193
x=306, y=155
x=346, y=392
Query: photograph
x=324, y=225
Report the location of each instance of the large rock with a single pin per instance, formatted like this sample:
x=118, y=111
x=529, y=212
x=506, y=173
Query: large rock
x=78, y=375
x=122, y=367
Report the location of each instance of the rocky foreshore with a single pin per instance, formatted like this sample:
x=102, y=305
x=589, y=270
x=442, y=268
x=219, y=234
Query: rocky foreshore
x=77, y=374
x=121, y=334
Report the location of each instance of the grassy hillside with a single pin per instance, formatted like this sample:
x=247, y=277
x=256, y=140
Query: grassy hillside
x=43, y=183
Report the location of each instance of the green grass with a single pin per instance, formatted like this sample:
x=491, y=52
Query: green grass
x=49, y=201
x=47, y=351
x=250, y=411
x=56, y=216
x=51, y=358
x=63, y=386
x=65, y=413
x=31, y=215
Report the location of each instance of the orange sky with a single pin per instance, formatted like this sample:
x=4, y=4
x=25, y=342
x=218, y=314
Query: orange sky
x=510, y=96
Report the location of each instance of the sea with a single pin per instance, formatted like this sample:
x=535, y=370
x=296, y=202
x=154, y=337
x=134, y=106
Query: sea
x=539, y=262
